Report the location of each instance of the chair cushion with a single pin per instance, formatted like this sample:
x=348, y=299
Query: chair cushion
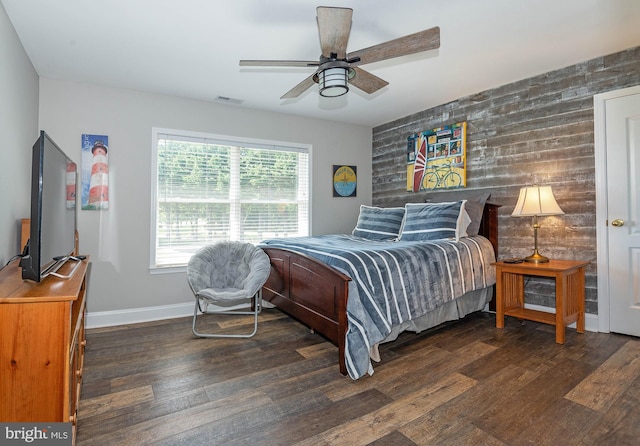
x=222, y=294
x=228, y=271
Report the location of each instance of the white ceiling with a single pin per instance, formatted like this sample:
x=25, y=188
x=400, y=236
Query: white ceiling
x=191, y=48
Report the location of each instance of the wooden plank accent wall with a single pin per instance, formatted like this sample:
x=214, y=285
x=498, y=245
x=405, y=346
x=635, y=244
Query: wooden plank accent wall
x=534, y=131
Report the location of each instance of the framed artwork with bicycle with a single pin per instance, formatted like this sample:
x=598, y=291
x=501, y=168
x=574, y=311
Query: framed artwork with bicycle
x=436, y=158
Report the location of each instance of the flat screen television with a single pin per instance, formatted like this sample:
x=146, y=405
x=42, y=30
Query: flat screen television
x=52, y=237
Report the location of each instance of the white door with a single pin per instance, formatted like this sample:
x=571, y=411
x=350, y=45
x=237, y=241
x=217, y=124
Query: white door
x=622, y=225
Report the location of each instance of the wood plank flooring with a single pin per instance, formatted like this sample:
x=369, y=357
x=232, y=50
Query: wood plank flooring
x=464, y=383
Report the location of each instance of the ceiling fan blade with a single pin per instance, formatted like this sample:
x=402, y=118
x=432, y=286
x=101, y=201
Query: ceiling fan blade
x=367, y=82
x=428, y=39
x=334, y=26
x=279, y=63
x=299, y=89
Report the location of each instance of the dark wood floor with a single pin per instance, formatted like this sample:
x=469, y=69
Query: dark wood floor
x=466, y=383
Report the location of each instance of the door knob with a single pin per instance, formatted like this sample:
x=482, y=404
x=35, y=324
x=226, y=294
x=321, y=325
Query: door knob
x=617, y=222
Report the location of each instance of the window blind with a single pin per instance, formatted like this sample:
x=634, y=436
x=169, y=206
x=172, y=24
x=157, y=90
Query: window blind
x=211, y=189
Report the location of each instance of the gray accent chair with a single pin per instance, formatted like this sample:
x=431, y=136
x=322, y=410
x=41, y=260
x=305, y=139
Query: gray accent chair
x=228, y=274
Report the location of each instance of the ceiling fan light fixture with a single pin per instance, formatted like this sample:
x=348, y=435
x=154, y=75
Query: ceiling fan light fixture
x=333, y=82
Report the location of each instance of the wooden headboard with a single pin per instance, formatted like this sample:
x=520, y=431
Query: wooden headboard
x=489, y=224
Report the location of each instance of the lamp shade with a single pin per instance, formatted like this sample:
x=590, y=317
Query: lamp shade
x=536, y=201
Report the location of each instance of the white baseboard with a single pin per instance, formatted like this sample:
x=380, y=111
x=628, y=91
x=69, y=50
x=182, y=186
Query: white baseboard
x=136, y=315
x=148, y=314
x=101, y=319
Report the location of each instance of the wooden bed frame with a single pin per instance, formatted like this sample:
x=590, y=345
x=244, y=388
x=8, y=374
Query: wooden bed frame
x=316, y=294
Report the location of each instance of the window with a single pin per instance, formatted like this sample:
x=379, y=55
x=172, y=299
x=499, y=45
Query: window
x=208, y=188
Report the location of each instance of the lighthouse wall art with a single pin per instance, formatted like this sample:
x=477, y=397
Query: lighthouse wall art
x=95, y=172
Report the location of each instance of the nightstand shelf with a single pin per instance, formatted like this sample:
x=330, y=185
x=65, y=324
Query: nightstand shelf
x=569, y=278
x=532, y=315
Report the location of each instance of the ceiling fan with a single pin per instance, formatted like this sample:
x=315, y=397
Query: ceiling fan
x=337, y=68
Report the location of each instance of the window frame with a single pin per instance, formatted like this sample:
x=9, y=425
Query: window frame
x=222, y=140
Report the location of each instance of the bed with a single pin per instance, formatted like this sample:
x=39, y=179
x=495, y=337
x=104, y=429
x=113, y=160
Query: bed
x=324, y=283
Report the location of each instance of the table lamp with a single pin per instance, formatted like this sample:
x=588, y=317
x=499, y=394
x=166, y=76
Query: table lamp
x=536, y=201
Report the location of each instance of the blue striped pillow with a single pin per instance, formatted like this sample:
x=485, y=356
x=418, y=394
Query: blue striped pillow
x=379, y=223
x=435, y=221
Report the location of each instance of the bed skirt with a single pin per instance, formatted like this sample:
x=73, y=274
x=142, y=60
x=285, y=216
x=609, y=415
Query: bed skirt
x=451, y=311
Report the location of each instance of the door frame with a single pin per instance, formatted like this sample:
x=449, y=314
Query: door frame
x=602, y=240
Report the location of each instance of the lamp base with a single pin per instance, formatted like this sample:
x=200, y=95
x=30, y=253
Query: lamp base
x=536, y=257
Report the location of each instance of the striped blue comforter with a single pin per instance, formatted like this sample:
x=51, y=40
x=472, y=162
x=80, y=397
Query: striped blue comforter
x=393, y=282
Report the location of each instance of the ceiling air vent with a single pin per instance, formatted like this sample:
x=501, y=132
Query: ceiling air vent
x=228, y=100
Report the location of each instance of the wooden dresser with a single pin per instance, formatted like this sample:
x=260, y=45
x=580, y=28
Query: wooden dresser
x=42, y=342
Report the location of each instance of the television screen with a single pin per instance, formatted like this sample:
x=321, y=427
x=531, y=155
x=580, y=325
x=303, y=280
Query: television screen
x=53, y=210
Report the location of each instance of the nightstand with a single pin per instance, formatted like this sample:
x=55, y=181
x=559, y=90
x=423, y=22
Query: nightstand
x=569, y=278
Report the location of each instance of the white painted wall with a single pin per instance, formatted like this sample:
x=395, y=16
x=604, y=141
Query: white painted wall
x=19, y=130
x=117, y=239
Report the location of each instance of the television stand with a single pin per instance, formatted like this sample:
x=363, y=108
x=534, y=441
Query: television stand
x=42, y=343
x=61, y=261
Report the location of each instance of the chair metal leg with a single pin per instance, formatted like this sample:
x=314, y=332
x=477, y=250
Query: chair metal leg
x=257, y=308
